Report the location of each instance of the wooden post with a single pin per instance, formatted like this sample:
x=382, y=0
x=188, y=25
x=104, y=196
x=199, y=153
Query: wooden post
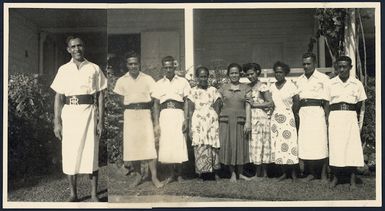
x=189, y=43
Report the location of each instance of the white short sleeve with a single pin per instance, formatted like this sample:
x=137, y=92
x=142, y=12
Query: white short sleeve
x=119, y=88
x=151, y=84
x=293, y=89
x=59, y=83
x=361, y=93
x=102, y=80
x=191, y=95
x=186, y=88
x=326, y=90
x=156, y=91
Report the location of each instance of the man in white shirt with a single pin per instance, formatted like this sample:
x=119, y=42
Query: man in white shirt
x=345, y=147
x=135, y=89
x=78, y=120
x=171, y=103
x=314, y=103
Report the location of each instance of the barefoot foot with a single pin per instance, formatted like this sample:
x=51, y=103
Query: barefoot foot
x=243, y=177
x=157, y=183
x=180, y=179
x=169, y=180
x=95, y=199
x=137, y=181
x=233, y=178
x=282, y=177
x=73, y=198
x=217, y=177
x=353, y=187
x=333, y=183
x=309, y=178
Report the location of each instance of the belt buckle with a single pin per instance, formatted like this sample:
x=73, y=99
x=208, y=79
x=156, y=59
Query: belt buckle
x=170, y=104
x=74, y=100
x=344, y=107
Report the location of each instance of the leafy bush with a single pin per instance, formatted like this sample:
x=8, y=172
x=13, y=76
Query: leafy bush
x=32, y=148
x=368, y=133
x=113, y=123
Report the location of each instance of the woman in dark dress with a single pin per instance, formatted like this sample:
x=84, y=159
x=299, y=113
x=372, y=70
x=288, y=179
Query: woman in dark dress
x=234, y=123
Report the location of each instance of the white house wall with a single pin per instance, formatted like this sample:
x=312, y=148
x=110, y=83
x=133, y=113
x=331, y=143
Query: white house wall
x=133, y=21
x=258, y=35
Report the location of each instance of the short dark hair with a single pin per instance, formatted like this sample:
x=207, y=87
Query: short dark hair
x=131, y=54
x=72, y=37
x=344, y=58
x=168, y=59
x=200, y=69
x=311, y=55
x=254, y=66
x=233, y=65
x=284, y=67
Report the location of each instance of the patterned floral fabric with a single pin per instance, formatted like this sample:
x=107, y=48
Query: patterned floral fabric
x=204, y=123
x=283, y=130
x=206, y=159
x=260, y=144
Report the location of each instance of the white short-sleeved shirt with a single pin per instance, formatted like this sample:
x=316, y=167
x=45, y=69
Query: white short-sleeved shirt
x=70, y=80
x=316, y=87
x=135, y=90
x=352, y=91
x=176, y=89
x=283, y=98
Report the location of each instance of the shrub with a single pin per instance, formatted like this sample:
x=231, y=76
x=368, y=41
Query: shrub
x=32, y=148
x=113, y=123
x=368, y=133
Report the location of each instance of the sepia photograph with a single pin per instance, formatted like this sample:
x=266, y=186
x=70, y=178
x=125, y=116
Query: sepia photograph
x=192, y=105
x=51, y=141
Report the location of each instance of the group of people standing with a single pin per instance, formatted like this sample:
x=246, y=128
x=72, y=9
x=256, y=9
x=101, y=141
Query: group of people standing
x=313, y=119
x=238, y=123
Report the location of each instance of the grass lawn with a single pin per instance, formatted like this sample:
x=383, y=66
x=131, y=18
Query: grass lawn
x=54, y=188
x=264, y=190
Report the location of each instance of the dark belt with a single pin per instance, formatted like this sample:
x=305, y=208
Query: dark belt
x=310, y=102
x=343, y=107
x=138, y=106
x=79, y=99
x=171, y=104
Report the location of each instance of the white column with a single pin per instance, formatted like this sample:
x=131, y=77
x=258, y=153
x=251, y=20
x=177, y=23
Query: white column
x=350, y=39
x=189, y=42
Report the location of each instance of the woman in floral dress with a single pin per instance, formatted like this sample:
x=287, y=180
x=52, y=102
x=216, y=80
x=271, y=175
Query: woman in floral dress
x=261, y=104
x=283, y=125
x=204, y=124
